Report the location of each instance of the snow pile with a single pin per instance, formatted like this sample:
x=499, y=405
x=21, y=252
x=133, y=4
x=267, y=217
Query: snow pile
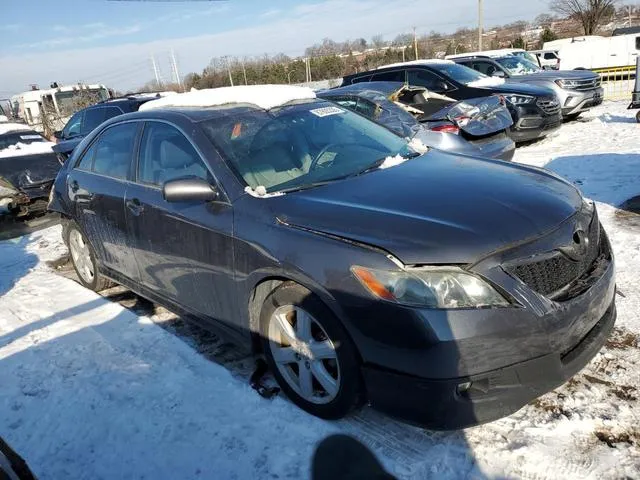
x=263, y=96
x=486, y=82
x=392, y=162
x=21, y=149
x=433, y=61
x=12, y=127
x=261, y=192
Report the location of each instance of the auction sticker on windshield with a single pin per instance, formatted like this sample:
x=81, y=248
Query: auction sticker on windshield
x=326, y=111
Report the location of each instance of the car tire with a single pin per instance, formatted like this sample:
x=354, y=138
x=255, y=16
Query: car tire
x=83, y=258
x=327, y=356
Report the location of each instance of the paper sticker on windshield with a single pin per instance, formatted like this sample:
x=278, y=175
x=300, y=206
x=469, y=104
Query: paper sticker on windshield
x=326, y=111
x=30, y=137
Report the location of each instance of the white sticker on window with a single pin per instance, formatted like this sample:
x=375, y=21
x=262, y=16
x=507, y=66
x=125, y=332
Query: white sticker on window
x=30, y=137
x=326, y=111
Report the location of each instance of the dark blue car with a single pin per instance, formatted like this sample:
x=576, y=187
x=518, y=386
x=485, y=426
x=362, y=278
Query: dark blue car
x=446, y=290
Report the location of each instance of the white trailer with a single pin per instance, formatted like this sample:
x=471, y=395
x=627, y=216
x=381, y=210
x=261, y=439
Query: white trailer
x=60, y=102
x=601, y=54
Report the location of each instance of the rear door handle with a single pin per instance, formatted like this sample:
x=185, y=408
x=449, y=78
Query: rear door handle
x=134, y=206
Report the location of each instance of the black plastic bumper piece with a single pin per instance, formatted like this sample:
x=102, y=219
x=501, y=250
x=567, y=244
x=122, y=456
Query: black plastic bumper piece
x=467, y=401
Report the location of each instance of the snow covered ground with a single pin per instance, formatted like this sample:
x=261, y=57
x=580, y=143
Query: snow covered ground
x=91, y=390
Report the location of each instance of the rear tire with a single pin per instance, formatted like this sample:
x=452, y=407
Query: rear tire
x=318, y=370
x=83, y=258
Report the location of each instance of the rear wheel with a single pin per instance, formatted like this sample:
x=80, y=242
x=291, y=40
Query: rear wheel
x=309, y=352
x=84, y=260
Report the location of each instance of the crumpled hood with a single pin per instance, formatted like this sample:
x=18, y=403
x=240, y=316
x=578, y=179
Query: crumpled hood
x=25, y=171
x=436, y=209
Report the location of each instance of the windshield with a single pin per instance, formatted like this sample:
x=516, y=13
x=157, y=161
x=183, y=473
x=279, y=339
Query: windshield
x=527, y=56
x=459, y=73
x=72, y=101
x=301, y=145
x=13, y=139
x=517, y=65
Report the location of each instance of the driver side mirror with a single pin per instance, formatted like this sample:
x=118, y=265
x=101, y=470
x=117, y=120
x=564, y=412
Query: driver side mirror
x=498, y=74
x=189, y=190
x=58, y=134
x=443, y=86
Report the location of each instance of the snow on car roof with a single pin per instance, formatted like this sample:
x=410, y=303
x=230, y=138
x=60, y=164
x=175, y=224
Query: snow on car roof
x=12, y=127
x=433, y=61
x=23, y=149
x=264, y=96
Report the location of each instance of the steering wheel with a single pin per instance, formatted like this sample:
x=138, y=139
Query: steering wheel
x=314, y=162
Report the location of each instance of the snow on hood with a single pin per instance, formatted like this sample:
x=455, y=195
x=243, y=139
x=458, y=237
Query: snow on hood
x=433, y=61
x=12, y=127
x=487, y=82
x=264, y=96
x=261, y=192
x=20, y=149
x=392, y=161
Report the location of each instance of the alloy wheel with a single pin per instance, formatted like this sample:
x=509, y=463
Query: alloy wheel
x=304, y=355
x=81, y=256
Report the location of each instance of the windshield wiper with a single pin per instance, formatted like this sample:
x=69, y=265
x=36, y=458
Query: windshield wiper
x=376, y=165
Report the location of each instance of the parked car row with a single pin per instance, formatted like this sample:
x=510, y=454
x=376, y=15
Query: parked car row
x=365, y=266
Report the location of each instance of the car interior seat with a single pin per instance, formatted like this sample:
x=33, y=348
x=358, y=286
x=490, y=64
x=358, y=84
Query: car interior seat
x=177, y=159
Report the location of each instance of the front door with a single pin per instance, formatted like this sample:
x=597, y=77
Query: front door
x=184, y=250
x=97, y=186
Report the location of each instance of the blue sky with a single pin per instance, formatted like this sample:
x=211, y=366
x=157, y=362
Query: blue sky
x=112, y=41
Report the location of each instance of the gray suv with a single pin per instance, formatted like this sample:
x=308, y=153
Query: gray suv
x=578, y=90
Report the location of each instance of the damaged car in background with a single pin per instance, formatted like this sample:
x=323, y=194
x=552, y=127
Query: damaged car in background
x=28, y=168
x=476, y=126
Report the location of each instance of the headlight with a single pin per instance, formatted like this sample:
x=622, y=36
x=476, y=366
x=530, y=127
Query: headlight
x=567, y=83
x=438, y=287
x=519, y=99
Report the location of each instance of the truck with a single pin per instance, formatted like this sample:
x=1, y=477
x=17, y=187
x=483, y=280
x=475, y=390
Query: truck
x=597, y=53
x=49, y=109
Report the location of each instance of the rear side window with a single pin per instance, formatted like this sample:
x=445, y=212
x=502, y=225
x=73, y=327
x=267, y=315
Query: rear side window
x=92, y=118
x=166, y=154
x=397, y=76
x=366, y=78
x=86, y=162
x=114, y=150
x=73, y=126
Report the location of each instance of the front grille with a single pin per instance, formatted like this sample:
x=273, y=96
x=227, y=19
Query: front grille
x=587, y=84
x=550, y=106
x=557, y=271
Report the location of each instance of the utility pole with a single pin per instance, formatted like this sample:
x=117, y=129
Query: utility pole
x=229, y=70
x=155, y=70
x=174, y=65
x=404, y=47
x=415, y=43
x=480, y=24
x=244, y=72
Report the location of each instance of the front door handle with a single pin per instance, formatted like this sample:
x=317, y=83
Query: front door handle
x=134, y=206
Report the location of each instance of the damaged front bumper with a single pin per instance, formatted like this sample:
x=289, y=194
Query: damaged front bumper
x=29, y=199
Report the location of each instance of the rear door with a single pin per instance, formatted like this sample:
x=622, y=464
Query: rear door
x=184, y=250
x=97, y=186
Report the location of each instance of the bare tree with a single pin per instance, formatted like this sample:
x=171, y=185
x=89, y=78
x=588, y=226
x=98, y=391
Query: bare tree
x=378, y=41
x=590, y=13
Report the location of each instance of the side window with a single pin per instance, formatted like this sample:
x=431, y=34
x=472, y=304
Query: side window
x=86, y=162
x=637, y=43
x=92, y=118
x=114, y=150
x=397, y=76
x=110, y=112
x=424, y=78
x=166, y=154
x=551, y=56
x=361, y=79
x=73, y=126
x=485, y=67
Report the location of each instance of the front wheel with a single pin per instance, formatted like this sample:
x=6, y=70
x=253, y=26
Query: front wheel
x=84, y=260
x=310, y=353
